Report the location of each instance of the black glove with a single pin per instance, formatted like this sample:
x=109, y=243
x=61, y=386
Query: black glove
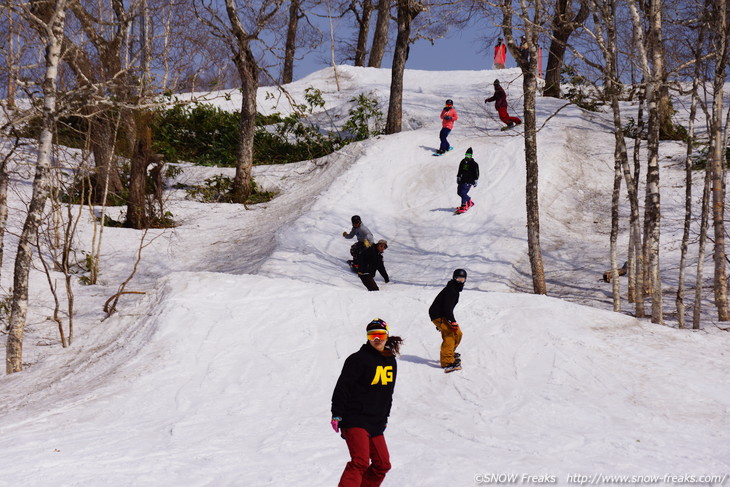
x=475, y=184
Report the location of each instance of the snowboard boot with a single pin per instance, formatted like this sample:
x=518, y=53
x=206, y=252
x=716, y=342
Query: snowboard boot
x=452, y=367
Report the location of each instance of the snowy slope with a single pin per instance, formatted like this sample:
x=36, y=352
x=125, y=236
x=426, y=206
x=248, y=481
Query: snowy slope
x=222, y=374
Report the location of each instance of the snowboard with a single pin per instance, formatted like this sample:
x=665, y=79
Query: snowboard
x=450, y=369
x=461, y=212
x=507, y=127
x=436, y=154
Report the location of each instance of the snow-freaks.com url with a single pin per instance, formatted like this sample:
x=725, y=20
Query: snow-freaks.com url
x=599, y=479
x=606, y=479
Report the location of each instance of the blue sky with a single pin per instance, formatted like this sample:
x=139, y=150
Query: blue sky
x=462, y=50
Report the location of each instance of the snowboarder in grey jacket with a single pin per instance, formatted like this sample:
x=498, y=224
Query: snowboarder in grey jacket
x=364, y=238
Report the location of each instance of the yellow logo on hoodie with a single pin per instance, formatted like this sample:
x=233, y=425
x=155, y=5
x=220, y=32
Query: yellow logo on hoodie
x=383, y=374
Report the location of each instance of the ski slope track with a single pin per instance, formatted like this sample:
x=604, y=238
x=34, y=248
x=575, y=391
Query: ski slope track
x=222, y=373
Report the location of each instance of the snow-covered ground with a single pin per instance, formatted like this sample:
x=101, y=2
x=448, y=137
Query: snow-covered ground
x=221, y=374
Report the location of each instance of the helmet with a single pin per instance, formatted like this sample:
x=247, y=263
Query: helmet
x=459, y=273
x=356, y=219
x=496, y=81
x=377, y=325
x=449, y=102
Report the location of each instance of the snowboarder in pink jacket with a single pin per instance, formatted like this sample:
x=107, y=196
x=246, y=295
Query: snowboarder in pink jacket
x=448, y=117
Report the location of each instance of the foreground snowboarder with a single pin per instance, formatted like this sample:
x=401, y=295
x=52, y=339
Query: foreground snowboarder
x=361, y=405
x=466, y=177
x=442, y=315
x=364, y=240
x=500, y=103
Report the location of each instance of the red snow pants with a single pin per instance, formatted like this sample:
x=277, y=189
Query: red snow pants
x=359, y=472
x=504, y=116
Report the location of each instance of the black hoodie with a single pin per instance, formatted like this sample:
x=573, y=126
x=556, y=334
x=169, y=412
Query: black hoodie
x=364, y=392
x=371, y=261
x=444, y=304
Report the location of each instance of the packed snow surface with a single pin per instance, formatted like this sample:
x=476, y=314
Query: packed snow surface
x=222, y=373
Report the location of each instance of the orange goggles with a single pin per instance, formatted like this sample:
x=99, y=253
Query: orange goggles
x=377, y=335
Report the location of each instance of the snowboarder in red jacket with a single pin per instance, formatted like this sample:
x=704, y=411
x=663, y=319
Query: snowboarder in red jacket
x=500, y=99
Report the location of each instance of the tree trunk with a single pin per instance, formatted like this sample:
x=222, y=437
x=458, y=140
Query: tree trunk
x=3, y=208
x=528, y=66
x=717, y=160
x=704, y=220
x=533, y=208
x=639, y=269
x=652, y=44
x=287, y=75
x=12, y=62
x=363, y=31
x=380, y=36
x=19, y=305
x=653, y=197
x=563, y=27
x=248, y=72
x=652, y=213
x=136, y=203
x=607, y=11
x=407, y=11
x=106, y=180
x=681, y=308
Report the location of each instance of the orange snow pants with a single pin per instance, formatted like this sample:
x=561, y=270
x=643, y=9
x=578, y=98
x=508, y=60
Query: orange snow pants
x=450, y=339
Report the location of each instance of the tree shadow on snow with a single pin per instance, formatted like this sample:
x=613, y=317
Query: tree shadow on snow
x=419, y=360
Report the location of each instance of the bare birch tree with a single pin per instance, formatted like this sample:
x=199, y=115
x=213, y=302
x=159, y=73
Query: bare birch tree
x=604, y=15
x=530, y=14
x=697, y=48
x=52, y=32
x=651, y=58
x=716, y=157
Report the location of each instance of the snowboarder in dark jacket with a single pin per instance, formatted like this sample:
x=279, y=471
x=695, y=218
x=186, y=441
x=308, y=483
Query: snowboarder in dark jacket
x=441, y=313
x=466, y=177
x=361, y=405
x=500, y=103
x=371, y=261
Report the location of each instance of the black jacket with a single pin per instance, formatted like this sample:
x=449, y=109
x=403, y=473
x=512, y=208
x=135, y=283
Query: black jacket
x=371, y=261
x=468, y=171
x=364, y=392
x=444, y=304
